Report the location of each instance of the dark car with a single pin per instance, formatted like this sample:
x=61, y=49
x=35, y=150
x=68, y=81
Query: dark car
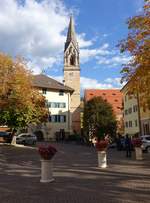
x=5, y=137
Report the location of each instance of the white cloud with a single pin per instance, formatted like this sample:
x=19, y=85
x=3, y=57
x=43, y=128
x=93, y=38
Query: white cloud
x=35, y=30
x=108, y=83
x=39, y=64
x=104, y=55
x=105, y=35
x=88, y=83
x=113, y=80
x=116, y=82
x=88, y=54
x=83, y=42
x=114, y=60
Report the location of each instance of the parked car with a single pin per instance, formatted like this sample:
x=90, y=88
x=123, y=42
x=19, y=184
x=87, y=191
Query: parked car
x=26, y=138
x=5, y=137
x=3, y=134
x=146, y=143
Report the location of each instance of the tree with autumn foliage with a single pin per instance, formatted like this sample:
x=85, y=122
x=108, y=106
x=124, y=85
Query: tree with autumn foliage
x=137, y=71
x=20, y=104
x=99, y=119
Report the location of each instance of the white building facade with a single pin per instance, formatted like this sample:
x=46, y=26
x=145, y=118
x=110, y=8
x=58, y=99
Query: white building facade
x=58, y=103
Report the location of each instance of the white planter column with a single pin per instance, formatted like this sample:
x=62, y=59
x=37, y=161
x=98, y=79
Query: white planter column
x=102, y=159
x=46, y=171
x=138, y=153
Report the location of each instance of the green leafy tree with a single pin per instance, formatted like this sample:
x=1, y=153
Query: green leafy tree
x=20, y=104
x=99, y=118
x=137, y=44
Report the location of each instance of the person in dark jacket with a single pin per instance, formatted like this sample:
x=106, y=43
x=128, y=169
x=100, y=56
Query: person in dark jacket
x=128, y=145
x=118, y=141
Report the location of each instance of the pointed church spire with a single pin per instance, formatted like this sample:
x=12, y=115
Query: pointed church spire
x=71, y=35
x=71, y=31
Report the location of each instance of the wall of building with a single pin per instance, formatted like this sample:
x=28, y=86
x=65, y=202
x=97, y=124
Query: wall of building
x=145, y=121
x=130, y=114
x=58, y=104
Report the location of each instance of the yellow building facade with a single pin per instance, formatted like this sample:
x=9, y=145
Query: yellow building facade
x=130, y=113
x=136, y=118
x=145, y=121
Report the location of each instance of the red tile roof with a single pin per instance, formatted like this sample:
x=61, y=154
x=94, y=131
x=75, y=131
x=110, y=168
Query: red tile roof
x=112, y=96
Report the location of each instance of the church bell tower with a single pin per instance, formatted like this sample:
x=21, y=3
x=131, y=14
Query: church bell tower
x=72, y=74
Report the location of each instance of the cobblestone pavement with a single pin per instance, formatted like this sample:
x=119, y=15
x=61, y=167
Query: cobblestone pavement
x=77, y=178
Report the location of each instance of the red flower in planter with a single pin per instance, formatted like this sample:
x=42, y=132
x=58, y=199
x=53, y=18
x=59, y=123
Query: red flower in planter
x=47, y=151
x=137, y=142
x=101, y=145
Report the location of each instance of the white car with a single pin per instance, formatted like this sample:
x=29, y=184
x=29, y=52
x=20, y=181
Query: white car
x=26, y=138
x=146, y=143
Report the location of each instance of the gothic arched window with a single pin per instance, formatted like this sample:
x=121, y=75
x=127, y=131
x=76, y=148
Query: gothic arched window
x=70, y=50
x=72, y=60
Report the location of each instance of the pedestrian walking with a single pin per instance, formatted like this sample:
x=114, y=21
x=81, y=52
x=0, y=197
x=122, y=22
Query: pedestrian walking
x=118, y=142
x=128, y=145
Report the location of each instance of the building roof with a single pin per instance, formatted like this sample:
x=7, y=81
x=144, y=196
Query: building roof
x=112, y=96
x=125, y=87
x=43, y=81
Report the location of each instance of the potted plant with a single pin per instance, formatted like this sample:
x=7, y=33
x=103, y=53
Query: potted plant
x=137, y=142
x=46, y=152
x=101, y=147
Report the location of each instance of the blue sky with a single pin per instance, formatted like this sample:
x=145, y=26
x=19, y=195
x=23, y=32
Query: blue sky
x=106, y=21
x=37, y=30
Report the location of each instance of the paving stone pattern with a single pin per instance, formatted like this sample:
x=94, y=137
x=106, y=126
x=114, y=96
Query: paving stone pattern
x=77, y=177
